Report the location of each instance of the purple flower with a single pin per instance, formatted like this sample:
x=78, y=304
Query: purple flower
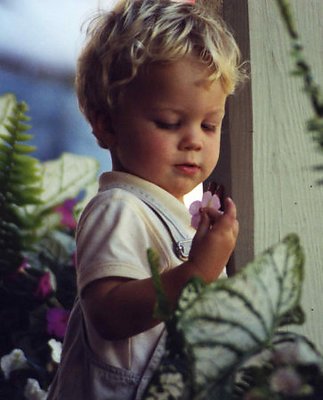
x=66, y=212
x=24, y=265
x=208, y=200
x=44, y=286
x=57, y=321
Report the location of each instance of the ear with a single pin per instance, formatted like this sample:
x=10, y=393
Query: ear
x=103, y=131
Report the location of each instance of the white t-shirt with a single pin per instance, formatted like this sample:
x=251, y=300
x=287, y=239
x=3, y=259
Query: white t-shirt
x=113, y=235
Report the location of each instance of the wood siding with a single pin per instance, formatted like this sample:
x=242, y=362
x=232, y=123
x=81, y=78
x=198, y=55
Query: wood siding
x=272, y=159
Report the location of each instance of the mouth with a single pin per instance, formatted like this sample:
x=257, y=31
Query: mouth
x=188, y=168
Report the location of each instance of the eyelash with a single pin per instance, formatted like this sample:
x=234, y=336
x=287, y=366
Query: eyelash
x=209, y=127
x=167, y=126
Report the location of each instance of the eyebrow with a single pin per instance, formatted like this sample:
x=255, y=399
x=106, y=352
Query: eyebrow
x=216, y=112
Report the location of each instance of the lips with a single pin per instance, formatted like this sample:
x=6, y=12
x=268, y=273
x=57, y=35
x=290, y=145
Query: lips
x=188, y=168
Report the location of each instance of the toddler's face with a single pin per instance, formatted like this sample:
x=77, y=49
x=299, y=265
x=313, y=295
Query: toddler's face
x=168, y=127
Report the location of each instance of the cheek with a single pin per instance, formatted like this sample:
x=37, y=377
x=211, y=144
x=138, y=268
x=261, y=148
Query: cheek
x=213, y=150
x=143, y=152
x=155, y=145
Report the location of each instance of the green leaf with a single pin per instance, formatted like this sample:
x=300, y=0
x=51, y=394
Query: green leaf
x=90, y=191
x=19, y=184
x=65, y=178
x=5, y=149
x=23, y=137
x=217, y=327
x=21, y=195
x=58, y=247
x=7, y=104
x=193, y=289
x=23, y=148
x=231, y=319
x=169, y=384
x=162, y=309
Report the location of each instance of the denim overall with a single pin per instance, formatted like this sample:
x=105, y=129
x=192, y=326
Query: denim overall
x=85, y=376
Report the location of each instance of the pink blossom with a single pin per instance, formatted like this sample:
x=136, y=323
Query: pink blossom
x=286, y=381
x=66, y=212
x=24, y=265
x=44, y=286
x=185, y=1
x=57, y=321
x=208, y=200
x=21, y=270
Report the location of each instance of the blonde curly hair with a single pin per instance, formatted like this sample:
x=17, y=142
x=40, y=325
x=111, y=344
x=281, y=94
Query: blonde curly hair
x=138, y=33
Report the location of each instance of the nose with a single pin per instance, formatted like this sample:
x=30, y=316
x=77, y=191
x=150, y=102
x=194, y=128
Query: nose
x=191, y=139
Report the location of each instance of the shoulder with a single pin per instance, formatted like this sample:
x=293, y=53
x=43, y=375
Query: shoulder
x=119, y=214
x=114, y=203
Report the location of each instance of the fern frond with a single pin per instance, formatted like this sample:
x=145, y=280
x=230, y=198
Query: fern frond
x=20, y=186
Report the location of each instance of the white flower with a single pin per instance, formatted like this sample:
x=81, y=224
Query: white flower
x=13, y=361
x=33, y=391
x=56, y=348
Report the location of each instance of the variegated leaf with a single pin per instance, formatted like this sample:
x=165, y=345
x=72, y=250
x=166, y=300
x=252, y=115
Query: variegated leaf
x=65, y=178
x=225, y=322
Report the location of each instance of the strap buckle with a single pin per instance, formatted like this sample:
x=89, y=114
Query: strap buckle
x=182, y=249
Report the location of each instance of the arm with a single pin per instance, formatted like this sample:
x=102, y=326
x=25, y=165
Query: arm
x=120, y=308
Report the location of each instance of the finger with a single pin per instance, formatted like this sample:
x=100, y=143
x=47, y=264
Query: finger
x=235, y=229
x=230, y=208
x=204, y=225
x=212, y=213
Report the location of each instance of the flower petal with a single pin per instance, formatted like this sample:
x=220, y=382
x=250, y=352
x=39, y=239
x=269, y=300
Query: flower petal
x=215, y=202
x=57, y=319
x=195, y=207
x=13, y=361
x=207, y=197
x=195, y=221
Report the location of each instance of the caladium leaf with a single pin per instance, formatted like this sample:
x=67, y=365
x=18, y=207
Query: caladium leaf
x=217, y=327
x=232, y=319
x=172, y=381
x=88, y=192
x=290, y=355
x=65, y=178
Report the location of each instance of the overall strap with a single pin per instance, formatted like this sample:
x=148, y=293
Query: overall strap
x=181, y=242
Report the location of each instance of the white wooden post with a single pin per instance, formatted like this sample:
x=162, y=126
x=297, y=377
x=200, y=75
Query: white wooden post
x=272, y=157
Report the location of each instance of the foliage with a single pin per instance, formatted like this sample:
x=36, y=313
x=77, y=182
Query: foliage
x=224, y=339
x=37, y=273
x=217, y=329
x=19, y=183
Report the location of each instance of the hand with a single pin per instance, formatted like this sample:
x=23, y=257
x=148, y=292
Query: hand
x=214, y=241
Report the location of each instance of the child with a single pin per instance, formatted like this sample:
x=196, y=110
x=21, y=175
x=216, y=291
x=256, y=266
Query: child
x=152, y=81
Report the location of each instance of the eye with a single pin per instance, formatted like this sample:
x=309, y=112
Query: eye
x=167, y=125
x=209, y=127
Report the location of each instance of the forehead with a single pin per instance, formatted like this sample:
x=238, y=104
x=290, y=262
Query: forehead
x=187, y=69
x=185, y=77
